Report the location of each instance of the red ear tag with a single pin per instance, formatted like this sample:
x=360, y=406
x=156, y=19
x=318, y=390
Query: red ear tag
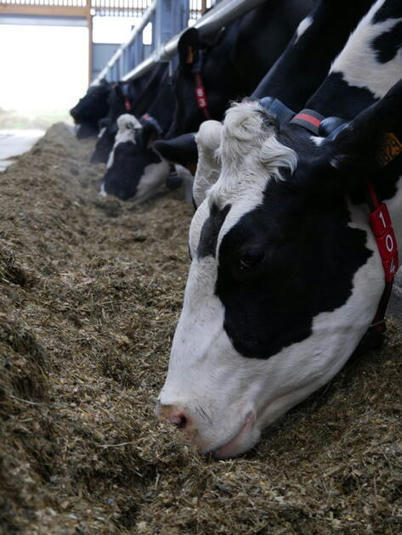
x=391, y=147
x=380, y=222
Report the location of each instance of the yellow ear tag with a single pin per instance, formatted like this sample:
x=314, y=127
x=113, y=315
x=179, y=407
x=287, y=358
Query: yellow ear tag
x=389, y=150
x=190, y=55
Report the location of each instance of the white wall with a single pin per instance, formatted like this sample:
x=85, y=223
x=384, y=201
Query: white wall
x=42, y=67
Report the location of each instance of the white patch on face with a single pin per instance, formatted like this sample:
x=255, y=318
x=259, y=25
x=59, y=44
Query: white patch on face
x=101, y=132
x=155, y=175
x=127, y=124
x=358, y=63
x=303, y=26
x=208, y=140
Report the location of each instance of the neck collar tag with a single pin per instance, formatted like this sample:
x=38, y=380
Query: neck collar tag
x=309, y=119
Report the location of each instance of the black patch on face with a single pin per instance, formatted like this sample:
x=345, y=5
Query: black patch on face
x=391, y=9
x=93, y=105
x=210, y=231
x=129, y=163
x=283, y=264
x=387, y=44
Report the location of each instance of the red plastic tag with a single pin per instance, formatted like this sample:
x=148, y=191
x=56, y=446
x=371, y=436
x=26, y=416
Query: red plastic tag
x=127, y=104
x=201, y=96
x=380, y=222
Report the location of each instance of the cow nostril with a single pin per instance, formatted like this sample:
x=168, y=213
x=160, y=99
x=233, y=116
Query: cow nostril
x=182, y=422
x=179, y=420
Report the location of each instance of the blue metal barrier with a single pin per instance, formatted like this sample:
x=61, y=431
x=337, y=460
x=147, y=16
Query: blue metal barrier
x=168, y=19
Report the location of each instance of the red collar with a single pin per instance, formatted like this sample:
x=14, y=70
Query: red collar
x=201, y=95
x=309, y=119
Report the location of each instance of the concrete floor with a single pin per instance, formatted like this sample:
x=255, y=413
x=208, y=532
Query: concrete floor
x=15, y=142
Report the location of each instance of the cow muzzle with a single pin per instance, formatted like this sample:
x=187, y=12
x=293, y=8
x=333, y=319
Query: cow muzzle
x=244, y=436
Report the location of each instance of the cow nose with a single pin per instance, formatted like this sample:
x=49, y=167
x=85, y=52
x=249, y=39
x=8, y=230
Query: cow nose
x=175, y=415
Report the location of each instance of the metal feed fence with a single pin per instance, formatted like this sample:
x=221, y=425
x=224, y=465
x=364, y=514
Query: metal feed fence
x=167, y=19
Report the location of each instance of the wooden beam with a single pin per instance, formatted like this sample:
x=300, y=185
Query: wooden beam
x=46, y=11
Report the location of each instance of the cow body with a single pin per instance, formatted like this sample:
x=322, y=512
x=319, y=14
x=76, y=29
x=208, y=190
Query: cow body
x=286, y=276
x=233, y=61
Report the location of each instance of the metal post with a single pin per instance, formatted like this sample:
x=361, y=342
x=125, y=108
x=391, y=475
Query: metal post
x=171, y=16
x=90, y=39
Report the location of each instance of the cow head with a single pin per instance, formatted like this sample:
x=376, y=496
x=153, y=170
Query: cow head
x=134, y=168
x=285, y=275
x=199, y=54
x=93, y=105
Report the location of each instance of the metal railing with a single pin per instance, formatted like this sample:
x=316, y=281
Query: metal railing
x=167, y=19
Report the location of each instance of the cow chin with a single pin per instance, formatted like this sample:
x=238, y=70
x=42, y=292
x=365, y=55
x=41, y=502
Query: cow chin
x=242, y=441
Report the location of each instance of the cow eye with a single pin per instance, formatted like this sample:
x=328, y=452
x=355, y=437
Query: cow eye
x=250, y=259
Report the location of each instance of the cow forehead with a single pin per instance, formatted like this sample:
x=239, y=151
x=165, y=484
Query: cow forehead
x=252, y=157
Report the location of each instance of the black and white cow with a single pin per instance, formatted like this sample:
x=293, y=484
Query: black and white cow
x=135, y=168
x=92, y=107
x=286, y=275
x=230, y=63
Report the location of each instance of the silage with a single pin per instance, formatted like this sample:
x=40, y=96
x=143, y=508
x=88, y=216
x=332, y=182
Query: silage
x=91, y=290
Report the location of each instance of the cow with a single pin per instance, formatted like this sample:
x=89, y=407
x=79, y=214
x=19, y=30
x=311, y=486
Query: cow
x=286, y=274
x=134, y=167
x=134, y=97
x=92, y=107
x=230, y=63
x=297, y=72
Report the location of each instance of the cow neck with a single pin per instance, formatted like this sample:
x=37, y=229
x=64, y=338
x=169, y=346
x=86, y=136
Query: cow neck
x=380, y=223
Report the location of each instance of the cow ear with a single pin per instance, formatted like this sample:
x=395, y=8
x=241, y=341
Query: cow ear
x=373, y=140
x=208, y=141
x=181, y=150
x=188, y=46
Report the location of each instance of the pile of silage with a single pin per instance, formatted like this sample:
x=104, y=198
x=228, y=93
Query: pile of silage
x=91, y=289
